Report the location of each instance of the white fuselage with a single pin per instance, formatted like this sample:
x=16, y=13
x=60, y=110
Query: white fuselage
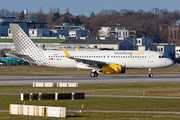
x=128, y=59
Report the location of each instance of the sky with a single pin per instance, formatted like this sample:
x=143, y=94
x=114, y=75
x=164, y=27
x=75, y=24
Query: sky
x=85, y=7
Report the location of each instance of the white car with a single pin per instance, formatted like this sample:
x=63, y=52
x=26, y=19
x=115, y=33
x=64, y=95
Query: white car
x=2, y=63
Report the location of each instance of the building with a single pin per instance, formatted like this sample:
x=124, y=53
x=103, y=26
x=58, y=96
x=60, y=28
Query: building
x=78, y=33
x=117, y=30
x=69, y=26
x=174, y=33
x=4, y=25
x=30, y=18
x=39, y=32
x=143, y=41
x=98, y=44
x=177, y=51
x=59, y=33
x=26, y=26
x=168, y=50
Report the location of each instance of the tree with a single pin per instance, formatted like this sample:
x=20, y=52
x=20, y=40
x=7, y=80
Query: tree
x=77, y=21
x=92, y=14
x=65, y=20
x=21, y=16
x=50, y=12
x=55, y=16
x=40, y=11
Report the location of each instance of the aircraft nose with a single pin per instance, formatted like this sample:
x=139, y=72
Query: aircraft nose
x=169, y=62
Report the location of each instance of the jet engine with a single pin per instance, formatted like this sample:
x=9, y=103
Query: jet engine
x=113, y=69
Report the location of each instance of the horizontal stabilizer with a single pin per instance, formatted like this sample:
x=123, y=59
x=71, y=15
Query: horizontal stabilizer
x=16, y=55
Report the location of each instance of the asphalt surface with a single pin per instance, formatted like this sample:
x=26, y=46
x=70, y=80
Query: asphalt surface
x=86, y=79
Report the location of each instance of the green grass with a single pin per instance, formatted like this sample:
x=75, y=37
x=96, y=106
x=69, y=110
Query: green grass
x=98, y=116
x=35, y=40
x=6, y=40
x=100, y=103
x=52, y=71
x=132, y=89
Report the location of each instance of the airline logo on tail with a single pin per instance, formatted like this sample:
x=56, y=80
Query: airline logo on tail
x=25, y=46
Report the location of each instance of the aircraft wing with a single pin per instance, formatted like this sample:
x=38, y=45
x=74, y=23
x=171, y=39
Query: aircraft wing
x=90, y=63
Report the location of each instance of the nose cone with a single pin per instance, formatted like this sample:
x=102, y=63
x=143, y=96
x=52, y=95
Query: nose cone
x=169, y=62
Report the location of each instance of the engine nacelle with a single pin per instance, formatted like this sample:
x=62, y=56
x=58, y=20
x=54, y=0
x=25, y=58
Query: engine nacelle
x=113, y=69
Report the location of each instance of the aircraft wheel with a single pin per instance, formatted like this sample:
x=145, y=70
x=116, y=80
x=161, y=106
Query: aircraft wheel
x=92, y=74
x=95, y=74
x=151, y=75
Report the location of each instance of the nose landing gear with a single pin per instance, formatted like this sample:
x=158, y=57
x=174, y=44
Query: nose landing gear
x=150, y=73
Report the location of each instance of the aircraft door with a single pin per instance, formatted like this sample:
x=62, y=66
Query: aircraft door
x=150, y=57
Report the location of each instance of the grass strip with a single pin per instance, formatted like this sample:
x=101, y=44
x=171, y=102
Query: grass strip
x=100, y=103
x=98, y=116
x=132, y=89
x=36, y=40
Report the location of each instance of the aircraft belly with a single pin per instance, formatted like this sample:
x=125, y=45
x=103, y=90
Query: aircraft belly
x=64, y=63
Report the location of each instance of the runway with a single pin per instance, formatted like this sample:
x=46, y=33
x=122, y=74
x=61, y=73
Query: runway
x=86, y=79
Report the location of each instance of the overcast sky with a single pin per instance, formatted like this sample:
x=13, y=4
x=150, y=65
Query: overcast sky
x=77, y=7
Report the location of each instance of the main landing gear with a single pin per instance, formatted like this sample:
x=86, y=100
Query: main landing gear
x=94, y=74
x=150, y=73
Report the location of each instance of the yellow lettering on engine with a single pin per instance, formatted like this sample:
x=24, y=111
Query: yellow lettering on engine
x=138, y=53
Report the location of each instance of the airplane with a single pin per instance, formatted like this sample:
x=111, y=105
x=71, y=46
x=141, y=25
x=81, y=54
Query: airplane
x=107, y=62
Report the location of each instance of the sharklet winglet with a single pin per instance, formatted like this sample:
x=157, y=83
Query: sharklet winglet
x=66, y=53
